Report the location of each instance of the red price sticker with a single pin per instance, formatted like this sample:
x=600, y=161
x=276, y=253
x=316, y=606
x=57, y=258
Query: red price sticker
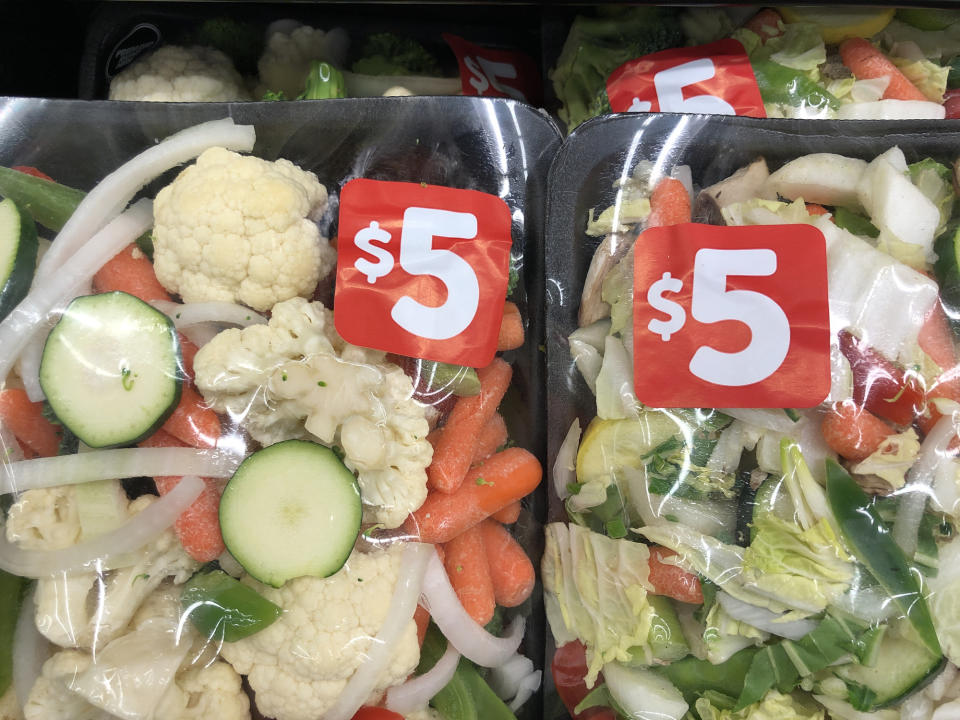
x=422, y=270
x=731, y=316
x=714, y=79
x=495, y=73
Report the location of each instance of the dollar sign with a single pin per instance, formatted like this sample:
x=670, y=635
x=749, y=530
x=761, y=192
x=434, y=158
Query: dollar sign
x=677, y=317
x=364, y=241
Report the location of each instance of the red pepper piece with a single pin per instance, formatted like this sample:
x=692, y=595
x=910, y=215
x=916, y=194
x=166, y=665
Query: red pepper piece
x=880, y=386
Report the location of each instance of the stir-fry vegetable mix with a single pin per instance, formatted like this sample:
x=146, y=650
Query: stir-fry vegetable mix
x=815, y=62
x=768, y=563
x=208, y=486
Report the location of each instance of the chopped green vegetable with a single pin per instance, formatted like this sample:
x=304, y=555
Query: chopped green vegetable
x=391, y=54
x=324, y=81
x=224, y=608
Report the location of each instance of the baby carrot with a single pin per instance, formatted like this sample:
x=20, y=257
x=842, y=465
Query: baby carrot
x=672, y=580
x=511, y=328
x=508, y=515
x=469, y=573
x=188, y=351
x=132, y=272
x=767, y=24
x=26, y=421
x=669, y=204
x=197, y=527
x=510, y=569
x=493, y=435
x=867, y=63
x=814, y=209
x=936, y=338
x=458, y=440
x=192, y=421
x=853, y=432
x=507, y=476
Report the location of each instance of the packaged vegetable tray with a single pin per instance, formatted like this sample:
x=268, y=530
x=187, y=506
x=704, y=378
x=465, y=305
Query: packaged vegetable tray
x=200, y=53
x=825, y=62
x=753, y=420
x=218, y=501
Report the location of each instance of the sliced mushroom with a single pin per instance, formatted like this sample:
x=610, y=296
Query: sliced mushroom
x=608, y=253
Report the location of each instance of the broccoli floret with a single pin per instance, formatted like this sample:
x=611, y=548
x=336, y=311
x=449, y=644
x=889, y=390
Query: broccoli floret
x=596, y=46
x=323, y=82
x=389, y=54
x=241, y=41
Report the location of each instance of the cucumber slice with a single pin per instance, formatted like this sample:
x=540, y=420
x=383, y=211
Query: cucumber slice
x=110, y=369
x=947, y=271
x=18, y=255
x=901, y=668
x=291, y=509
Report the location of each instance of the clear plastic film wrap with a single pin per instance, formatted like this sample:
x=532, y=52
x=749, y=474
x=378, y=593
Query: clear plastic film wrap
x=845, y=63
x=212, y=497
x=744, y=562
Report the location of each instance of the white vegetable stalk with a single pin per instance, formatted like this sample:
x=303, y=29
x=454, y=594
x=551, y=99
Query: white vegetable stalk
x=528, y=686
x=515, y=681
x=461, y=630
x=565, y=466
x=19, y=329
x=403, y=604
x=768, y=419
x=116, y=190
x=615, y=396
x=764, y=619
x=113, y=465
x=143, y=528
x=189, y=314
x=30, y=648
x=417, y=692
x=914, y=494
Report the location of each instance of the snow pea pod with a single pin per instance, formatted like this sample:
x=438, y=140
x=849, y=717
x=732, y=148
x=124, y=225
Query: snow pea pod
x=786, y=86
x=873, y=545
x=222, y=607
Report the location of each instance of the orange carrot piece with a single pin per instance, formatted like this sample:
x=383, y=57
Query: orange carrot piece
x=132, y=272
x=866, y=63
x=672, y=580
x=469, y=573
x=197, y=527
x=192, y=421
x=458, y=440
x=814, y=209
x=188, y=351
x=421, y=616
x=509, y=515
x=511, y=328
x=936, y=338
x=493, y=435
x=767, y=24
x=26, y=421
x=511, y=571
x=506, y=477
x=669, y=204
x=853, y=432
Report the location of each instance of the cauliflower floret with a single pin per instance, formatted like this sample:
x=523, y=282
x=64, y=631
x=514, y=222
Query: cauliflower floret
x=286, y=60
x=10, y=706
x=427, y=713
x=51, y=697
x=203, y=693
x=237, y=228
x=297, y=378
x=300, y=664
x=180, y=74
x=43, y=520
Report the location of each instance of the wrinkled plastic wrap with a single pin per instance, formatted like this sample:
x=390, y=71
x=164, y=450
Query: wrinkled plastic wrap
x=815, y=62
x=131, y=606
x=745, y=562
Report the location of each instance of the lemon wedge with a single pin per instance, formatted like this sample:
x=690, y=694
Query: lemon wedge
x=837, y=25
x=610, y=445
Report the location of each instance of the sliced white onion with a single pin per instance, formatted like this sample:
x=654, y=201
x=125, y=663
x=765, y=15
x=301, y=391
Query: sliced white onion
x=403, y=604
x=116, y=190
x=565, y=466
x=10, y=451
x=764, y=619
x=505, y=680
x=528, y=686
x=113, y=465
x=188, y=314
x=28, y=367
x=19, y=328
x=30, y=648
x=141, y=529
x=201, y=334
x=417, y=692
x=766, y=418
x=461, y=630
x=914, y=494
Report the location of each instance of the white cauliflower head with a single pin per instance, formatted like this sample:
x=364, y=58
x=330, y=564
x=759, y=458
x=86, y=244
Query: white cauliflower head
x=236, y=228
x=296, y=378
x=291, y=48
x=85, y=609
x=180, y=74
x=299, y=665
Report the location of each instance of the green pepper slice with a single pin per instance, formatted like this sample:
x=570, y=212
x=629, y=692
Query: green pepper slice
x=222, y=607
